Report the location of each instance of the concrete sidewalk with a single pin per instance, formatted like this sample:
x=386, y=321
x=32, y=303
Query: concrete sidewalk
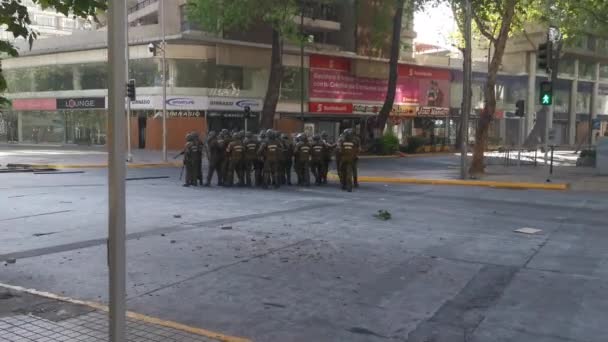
x=29, y=317
x=81, y=157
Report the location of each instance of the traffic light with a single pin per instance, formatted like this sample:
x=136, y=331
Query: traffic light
x=247, y=110
x=519, y=111
x=545, y=56
x=131, y=89
x=546, y=93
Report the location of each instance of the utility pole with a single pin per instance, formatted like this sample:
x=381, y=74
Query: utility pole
x=164, y=71
x=466, y=91
x=554, y=41
x=116, y=170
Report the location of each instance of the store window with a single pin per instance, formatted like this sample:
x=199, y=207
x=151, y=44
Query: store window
x=85, y=127
x=42, y=127
x=291, y=84
x=53, y=78
x=583, y=102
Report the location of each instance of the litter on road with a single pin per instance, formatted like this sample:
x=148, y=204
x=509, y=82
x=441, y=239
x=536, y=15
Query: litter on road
x=528, y=230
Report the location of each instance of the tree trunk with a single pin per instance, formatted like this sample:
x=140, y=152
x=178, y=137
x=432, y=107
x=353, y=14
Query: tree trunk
x=274, y=82
x=393, y=73
x=486, y=117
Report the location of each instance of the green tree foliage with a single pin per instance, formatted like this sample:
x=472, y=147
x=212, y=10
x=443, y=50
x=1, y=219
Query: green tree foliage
x=497, y=20
x=15, y=18
x=231, y=15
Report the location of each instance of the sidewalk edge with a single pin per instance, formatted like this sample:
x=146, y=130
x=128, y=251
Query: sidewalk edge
x=95, y=166
x=457, y=182
x=130, y=314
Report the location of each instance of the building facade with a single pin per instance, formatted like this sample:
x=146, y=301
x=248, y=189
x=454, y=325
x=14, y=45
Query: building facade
x=59, y=88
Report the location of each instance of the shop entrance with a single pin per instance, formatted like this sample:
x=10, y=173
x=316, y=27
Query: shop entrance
x=142, y=121
x=216, y=121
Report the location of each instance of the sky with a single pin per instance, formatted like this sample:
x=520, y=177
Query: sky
x=434, y=25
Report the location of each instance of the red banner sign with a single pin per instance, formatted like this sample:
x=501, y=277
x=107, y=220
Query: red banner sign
x=34, y=104
x=423, y=72
x=328, y=107
x=329, y=62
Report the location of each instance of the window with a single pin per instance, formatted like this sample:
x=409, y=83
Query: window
x=586, y=70
x=566, y=66
x=291, y=83
x=18, y=80
x=145, y=72
x=53, y=78
x=185, y=22
x=44, y=20
x=604, y=71
x=94, y=76
x=228, y=77
x=193, y=73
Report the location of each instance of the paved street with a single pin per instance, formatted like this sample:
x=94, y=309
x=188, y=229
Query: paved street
x=314, y=264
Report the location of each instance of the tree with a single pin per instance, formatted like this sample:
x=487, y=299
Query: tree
x=221, y=15
x=15, y=19
x=393, y=73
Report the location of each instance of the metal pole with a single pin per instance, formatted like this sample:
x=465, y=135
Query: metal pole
x=302, y=64
x=548, y=128
x=129, y=154
x=466, y=92
x=164, y=71
x=116, y=170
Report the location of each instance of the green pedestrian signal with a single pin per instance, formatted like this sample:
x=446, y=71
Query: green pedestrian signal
x=546, y=93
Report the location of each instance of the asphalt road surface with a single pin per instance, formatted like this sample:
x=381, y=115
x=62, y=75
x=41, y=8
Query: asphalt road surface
x=314, y=264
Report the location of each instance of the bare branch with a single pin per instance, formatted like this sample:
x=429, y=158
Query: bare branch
x=483, y=29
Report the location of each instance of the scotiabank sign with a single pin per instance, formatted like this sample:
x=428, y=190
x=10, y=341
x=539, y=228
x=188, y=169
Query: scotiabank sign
x=327, y=107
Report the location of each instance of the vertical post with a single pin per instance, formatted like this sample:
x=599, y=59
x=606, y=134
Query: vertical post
x=129, y=154
x=572, y=107
x=594, y=95
x=302, y=63
x=164, y=71
x=116, y=170
x=531, y=104
x=466, y=91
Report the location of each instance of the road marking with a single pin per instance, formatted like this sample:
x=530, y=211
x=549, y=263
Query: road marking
x=35, y=215
x=130, y=314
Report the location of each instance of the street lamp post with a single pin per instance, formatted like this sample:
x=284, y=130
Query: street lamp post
x=129, y=154
x=164, y=71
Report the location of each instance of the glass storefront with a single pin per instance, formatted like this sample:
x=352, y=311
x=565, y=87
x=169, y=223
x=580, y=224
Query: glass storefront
x=82, y=127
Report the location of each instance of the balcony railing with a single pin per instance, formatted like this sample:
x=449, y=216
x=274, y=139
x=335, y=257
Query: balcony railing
x=140, y=5
x=320, y=11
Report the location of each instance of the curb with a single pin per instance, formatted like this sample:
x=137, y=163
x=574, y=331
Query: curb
x=456, y=182
x=133, y=315
x=93, y=166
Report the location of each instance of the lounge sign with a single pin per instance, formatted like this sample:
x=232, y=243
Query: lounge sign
x=82, y=103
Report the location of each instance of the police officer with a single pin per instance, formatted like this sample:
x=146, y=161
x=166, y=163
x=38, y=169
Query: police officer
x=192, y=159
x=227, y=139
x=259, y=164
x=302, y=153
x=355, y=165
x=236, y=161
x=251, y=157
x=337, y=155
x=329, y=147
x=287, y=158
x=196, y=138
x=317, y=153
x=213, y=157
x=346, y=150
x=269, y=151
x=222, y=160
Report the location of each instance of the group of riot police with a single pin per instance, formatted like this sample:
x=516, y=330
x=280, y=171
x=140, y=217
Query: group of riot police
x=266, y=159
